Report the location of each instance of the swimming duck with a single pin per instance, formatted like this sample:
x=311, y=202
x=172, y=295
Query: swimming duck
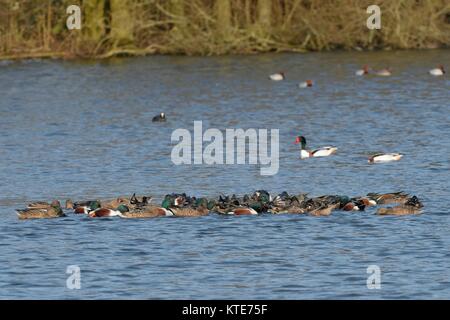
x=411, y=206
x=362, y=72
x=305, y=84
x=321, y=152
x=385, y=157
x=383, y=72
x=159, y=118
x=43, y=205
x=86, y=206
x=148, y=211
x=104, y=212
x=324, y=210
x=54, y=211
x=192, y=207
x=69, y=204
x=387, y=198
x=277, y=76
x=242, y=211
x=439, y=71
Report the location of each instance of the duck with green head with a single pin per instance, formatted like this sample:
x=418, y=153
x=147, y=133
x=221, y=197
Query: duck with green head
x=195, y=208
x=86, y=207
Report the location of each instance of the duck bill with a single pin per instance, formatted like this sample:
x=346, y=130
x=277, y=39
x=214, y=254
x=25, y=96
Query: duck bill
x=297, y=140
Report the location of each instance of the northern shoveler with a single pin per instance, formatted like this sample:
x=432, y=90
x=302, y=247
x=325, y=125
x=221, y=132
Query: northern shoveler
x=411, y=206
x=53, y=211
x=104, y=212
x=387, y=198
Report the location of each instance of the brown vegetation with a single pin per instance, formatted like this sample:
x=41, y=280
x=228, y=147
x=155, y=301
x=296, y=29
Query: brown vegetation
x=32, y=28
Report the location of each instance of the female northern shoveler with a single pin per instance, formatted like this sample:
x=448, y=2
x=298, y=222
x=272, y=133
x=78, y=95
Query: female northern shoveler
x=159, y=118
x=69, y=204
x=411, y=206
x=147, y=212
x=43, y=205
x=321, y=152
x=277, y=76
x=305, y=84
x=54, y=211
x=385, y=157
x=324, y=210
x=387, y=198
x=362, y=72
x=439, y=71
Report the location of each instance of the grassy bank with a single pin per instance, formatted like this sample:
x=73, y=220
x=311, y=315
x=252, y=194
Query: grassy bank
x=37, y=28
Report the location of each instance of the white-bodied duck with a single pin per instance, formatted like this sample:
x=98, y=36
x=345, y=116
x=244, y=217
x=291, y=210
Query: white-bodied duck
x=362, y=72
x=277, y=76
x=321, y=152
x=385, y=157
x=439, y=71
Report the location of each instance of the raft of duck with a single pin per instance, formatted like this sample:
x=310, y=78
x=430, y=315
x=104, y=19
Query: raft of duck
x=259, y=202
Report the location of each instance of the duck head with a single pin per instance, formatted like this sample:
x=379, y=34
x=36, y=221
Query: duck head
x=122, y=208
x=69, y=204
x=301, y=140
x=441, y=67
x=55, y=204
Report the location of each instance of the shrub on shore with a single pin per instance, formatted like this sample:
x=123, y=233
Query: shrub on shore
x=209, y=27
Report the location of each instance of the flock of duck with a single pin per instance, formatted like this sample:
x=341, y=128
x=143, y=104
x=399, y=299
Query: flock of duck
x=259, y=202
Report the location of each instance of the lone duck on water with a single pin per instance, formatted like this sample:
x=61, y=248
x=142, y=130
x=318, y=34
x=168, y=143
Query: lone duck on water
x=320, y=152
x=159, y=118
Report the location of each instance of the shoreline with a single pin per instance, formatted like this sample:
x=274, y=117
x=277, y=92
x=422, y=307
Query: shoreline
x=132, y=53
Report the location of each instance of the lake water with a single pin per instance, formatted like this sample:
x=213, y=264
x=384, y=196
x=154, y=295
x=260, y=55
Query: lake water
x=83, y=130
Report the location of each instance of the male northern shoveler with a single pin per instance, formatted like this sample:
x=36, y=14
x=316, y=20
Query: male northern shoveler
x=242, y=211
x=321, y=152
x=159, y=118
x=86, y=206
x=190, y=207
x=385, y=157
x=305, y=84
x=439, y=71
x=277, y=76
x=104, y=212
x=362, y=72
x=53, y=211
